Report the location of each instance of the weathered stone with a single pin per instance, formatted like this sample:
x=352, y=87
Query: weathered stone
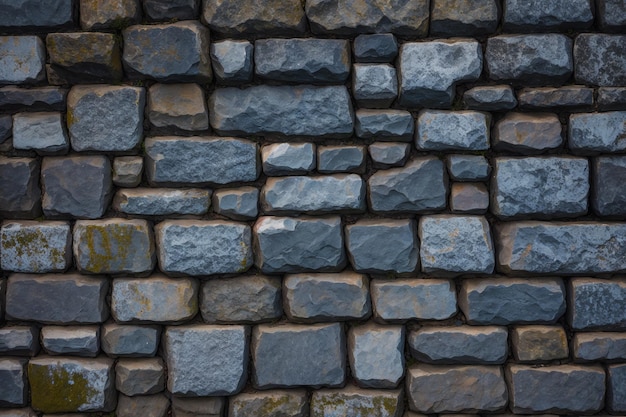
x=570, y=97
x=378, y=47
x=44, y=298
x=33, y=246
x=206, y=360
x=456, y=389
x=71, y=340
x=162, y=201
x=282, y=110
x=308, y=60
x=463, y=17
x=6, y=127
x=600, y=59
x=33, y=99
x=232, y=61
x=24, y=412
x=592, y=133
x=158, y=299
x=430, y=70
x=384, y=124
x=527, y=133
x=609, y=98
x=127, y=171
x=406, y=299
x=490, y=98
x=352, y=401
x=439, y=130
x=561, y=248
x=470, y=198
x=326, y=297
x=556, y=389
x=113, y=246
x=42, y=132
x=3, y=286
x=608, y=197
x=109, y=15
x=139, y=376
x=611, y=15
x=19, y=341
x=198, y=406
x=603, y=346
x=288, y=158
x=183, y=245
x=144, y=405
x=20, y=195
x=340, y=158
x=164, y=10
x=129, y=340
x=105, y=118
x=168, y=52
x=244, y=299
x=179, y=106
x=292, y=355
x=22, y=59
x=83, y=57
x=420, y=186
x=36, y=15
x=237, y=203
x=172, y=160
x=291, y=403
x=597, y=304
x=530, y=59
x=504, y=301
x=14, y=388
x=285, y=244
x=376, y=355
x=539, y=343
x=545, y=16
x=468, y=167
x=374, y=85
x=385, y=155
x=616, y=388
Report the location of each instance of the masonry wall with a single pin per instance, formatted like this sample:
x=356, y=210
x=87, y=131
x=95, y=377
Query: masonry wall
x=312, y=208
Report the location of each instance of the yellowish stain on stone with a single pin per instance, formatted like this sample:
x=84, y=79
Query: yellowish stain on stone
x=54, y=389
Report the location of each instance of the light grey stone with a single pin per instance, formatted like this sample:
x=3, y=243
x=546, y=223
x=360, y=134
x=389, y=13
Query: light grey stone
x=232, y=61
x=282, y=110
x=439, y=130
x=206, y=360
x=376, y=355
x=20, y=194
x=178, y=106
x=357, y=402
x=569, y=97
x=130, y=340
x=71, y=340
x=143, y=405
x=42, y=132
x=469, y=198
x=291, y=355
x=377, y=47
x=164, y=10
x=140, y=376
x=374, y=85
x=608, y=196
x=198, y=406
x=611, y=15
x=406, y=299
x=110, y=15
x=19, y=341
x=599, y=346
x=463, y=17
x=288, y=158
x=14, y=388
x=490, y=98
x=22, y=59
x=600, y=59
x=468, y=167
x=50, y=98
x=384, y=124
x=27, y=15
x=162, y=201
x=609, y=98
x=183, y=245
x=592, y=133
x=597, y=304
x=527, y=133
x=340, y=158
x=127, y=171
x=545, y=16
x=385, y=155
x=503, y=301
x=237, y=203
x=276, y=403
x=539, y=343
x=616, y=393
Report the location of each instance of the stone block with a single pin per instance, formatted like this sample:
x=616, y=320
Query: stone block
x=288, y=158
x=389, y=154
x=539, y=343
x=374, y=85
x=469, y=198
x=546, y=16
x=504, y=301
x=22, y=59
x=206, y=360
x=43, y=132
x=139, y=376
x=20, y=194
x=377, y=47
x=456, y=389
x=352, y=401
x=376, y=355
x=164, y=10
x=599, y=346
x=162, y=201
x=384, y=124
x=48, y=98
x=130, y=340
x=556, y=389
x=439, y=130
x=33, y=246
x=468, y=167
x=14, y=388
x=314, y=298
x=291, y=355
x=109, y=15
x=276, y=403
x=19, y=341
x=244, y=299
x=157, y=299
x=429, y=71
x=570, y=97
x=71, y=340
x=24, y=412
x=144, y=405
x=616, y=388
x=182, y=246
x=340, y=158
x=490, y=98
x=177, y=106
x=611, y=15
x=592, y=133
x=6, y=127
x=35, y=15
x=407, y=299
x=198, y=406
x=127, y=171
x=609, y=98
x=463, y=17
x=304, y=244
x=608, y=196
x=43, y=298
x=527, y=133
x=232, y=61
x=600, y=59
x=597, y=304
x=240, y=203
x=176, y=52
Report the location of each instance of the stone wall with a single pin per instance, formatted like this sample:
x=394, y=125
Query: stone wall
x=312, y=208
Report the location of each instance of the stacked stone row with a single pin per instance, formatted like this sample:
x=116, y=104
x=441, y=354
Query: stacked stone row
x=287, y=208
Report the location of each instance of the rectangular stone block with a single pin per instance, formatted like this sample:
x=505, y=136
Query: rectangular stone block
x=198, y=406
x=439, y=130
x=593, y=133
x=177, y=106
x=287, y=158
x=288, y=403
x=528, y=133
x=22, y=59
x=600, y=58
x=384, y=124
x=48, y=98
x=19, y=340
x=597, y=304
x=376, y=355
x=130, y=340
x=14, y=387
x=352, y=401
x=162, y=201
x=43, y=132
x=140, y=376
x=546, y=16
x=71, y=340
x=608, y=197
x=616, y=388
x=36, y=15
x=539, y=343
x=20, y=194
x=599, y=346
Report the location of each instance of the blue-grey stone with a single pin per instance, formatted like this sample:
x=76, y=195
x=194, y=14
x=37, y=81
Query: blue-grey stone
x=288, y=158
x=19, y=341
x=384, y=124
x=569, y=97
x=127, y=171
x=539, y=343
x=389, y=154
x=547, y=15
x=490, y=98
x=22, y=59
x=527, y=133
x=374, y=85
x=14, y=387
x=140, y=376
x=376, y=355
x=127, y=340
x=6, y=127
x=599, y=346
x=36, y=15
x=197, y=406
x=162, y=201
x=164, y=10
x=340, y=158
x=49, y=98
x=600, y=59
x=469, y=198
x=611, y=15
x=609, y=98
x=232, y=61
x=441, y=130
x=20, y=194
x=463, y=17
x=377, y=47
x=111, y=15
x=468, y=167
x=71, y=340
x=609, y=179
x=287, y=403
x=616, y=388
x=237, y=203
x=597, y=304
x=42, y=132
x=177, y=106
x=592, y=133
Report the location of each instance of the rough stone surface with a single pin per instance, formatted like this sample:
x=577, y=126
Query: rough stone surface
x=611, y=15
x=179, y=106
x=198, y=406
x=340, y=158
x=357, y=402
x=139, y=376
x=376, y=355
x=463, y=17
x=291, y=403
x=22, y=59
x=43, y=132
x=384, y=124
x=144, y=405
x=527, y=133
x=490, y=98
x=182, y=246
x=130, y=340
x=452, y=130
x=539, y=343
x=603, y=346
x=470, y=198
x=597, y=304
x=24, y=412
x=378, y=47
x=592, y=133
x=546, y=16
x=71, y=340
x=6, y=127
x=600, y=59
x=570, y=97
x=14, y=388
x=109, y=15
x=385, y=155
x=374, y=85
x=19, y=341
x=20, y=195
x=205, y=360
x=616, y=393
x=468, y=167
x=608, y=196
x=288, y=158
x=127, y=171
x=162, y=201
x=159, y=10
x=293, y=355
x=33, y=99
x=36, y=14
x=240, y=203
x=232, y=61
x=609, y=98
x=504, y=301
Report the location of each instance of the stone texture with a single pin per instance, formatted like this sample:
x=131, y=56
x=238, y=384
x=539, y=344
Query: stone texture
x=539, y=343
x=20, y=195
x=527, y=133
x=130, y=340
x=33, y=99
x=608, y=197
x=602, y=346
x=616, y=391
x=158, y=299
x=571, y=97
x=32, y=246
x=276, y=403
x=282, y=110
x=145, y=405
x=490, y=98
x=592, y=133
x=378, y=47
x=340, y=158
x=556, y=389
x=384, y=124
x=468, y=167
x=109, y=15
x=162, y=201
x=19, y=341
x=305, y=244
x=376, y=355
x=237, y=203
x=244, y=299
x=36, y=15
x=43, y=132
x=357, y=402
x=71, y=340
x=293, y=355
x=6, y=127
x=429, y=71
x=326, y=297
x=139, y=376
x=232, y=61
x=198, y=406
x=611, y=15
x=374, y=85
x=547, y=16
x=127, y=171
x=456, y=389
x=172, y=160
x=504, y=301
x=14, y=388
x=469, y=198
x=600, y=59
x=168, y=52
x=206, y=360
x=385, y=155
x=43, y=298
x=177, y=106
x=609, y=98
x=105, y=118
x=308, y=60
x=463, y=17
x=22, y=59
x=530, y=59
x=288, y=158
x=182, y=246
x=113, y=246
x=160, y=10
x=23, y=412
x=406, y=299
x=597, y=304
x=452, y=130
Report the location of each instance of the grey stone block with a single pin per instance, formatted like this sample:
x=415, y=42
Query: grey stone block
x=376, y=355
x=198, y=406
x=597, y=304
x=609, y=98
x=463, y=17
x=469, y=198
x=33, y=99
x=385, y=155
x=182, y=246
x=244, y=299
x=456, y=389
x=42, y=132
x=547, y=16
x=172, y=160
x=504, y=301
x=468, y=167
x=490, y=98
x=232, y=61
x=530, y=59
x=384, y=124
x=176, y=52
x=288, y=158
x=144, y=405
x=22, y=59
x=206, y=360
x=352, y=401
x=616, y=388
x=377, y=47
x=130, y=340
x=556, y=389
x=340, y=158
x=527, y=133
x=429, y=71
x=153, y=300
x=611, y=15
x=139, y=376
x=6, y=127
x=162, y=201
x=550, y=186
x=592, y=133
x=127, y=171
x=105, y=118
x=406, y=299
x=598, y=346
x=178, y=106
x=305, y=244
x=237, y=203
x=539, y=343
x=43, y=298
x=326, y=297
x=570, y=97
x=14, y=388
x=288, y=403
x=608, y=197
x=307, y=60
x=71, y=340
x=374, y=85
x=293, y=355
x=27, y=15
x=163, y=10
x=110, y=15
x=20, y=194
x=439, y=130
x=19, y=341
x=600, y=59
x=282, y=110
